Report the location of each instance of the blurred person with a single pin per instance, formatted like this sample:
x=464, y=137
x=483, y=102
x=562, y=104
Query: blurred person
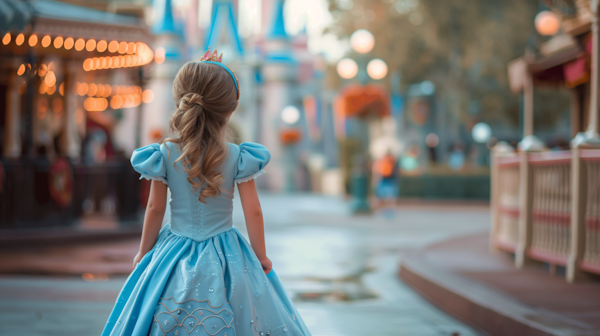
x=386, y=177
x=198, y=273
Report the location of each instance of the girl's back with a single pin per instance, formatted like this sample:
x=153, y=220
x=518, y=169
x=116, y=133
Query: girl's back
x=190, y=217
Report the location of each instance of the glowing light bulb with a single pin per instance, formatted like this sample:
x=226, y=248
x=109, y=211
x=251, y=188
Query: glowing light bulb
x=347, y=68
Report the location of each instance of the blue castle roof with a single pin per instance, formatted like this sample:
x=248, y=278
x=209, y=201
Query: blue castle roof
x=223, y=22
x=164, y=22
x=278, y=28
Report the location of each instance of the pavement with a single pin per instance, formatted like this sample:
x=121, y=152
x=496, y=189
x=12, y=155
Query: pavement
x=462, y=276
x=341, y=270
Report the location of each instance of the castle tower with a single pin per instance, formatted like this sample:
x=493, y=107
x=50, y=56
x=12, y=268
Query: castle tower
x=170, y=49
x=279, y=73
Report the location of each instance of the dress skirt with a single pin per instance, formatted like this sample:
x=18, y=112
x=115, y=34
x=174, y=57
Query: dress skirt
x=211, y=287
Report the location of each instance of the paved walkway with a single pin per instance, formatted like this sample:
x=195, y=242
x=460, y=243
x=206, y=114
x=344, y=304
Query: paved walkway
x=341, y=271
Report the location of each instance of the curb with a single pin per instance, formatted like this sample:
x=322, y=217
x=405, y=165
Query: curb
x=481, y=306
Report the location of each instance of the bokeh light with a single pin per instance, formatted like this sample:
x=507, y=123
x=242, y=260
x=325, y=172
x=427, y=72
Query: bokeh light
x=546, y=23
x=159, y=55
x=20, y=39
x=347, y=68
x=46, y=40
x=481, y=132
x=377, y=69
x=58, y=42
x=33, y=40
x=432, y=140
x=69, y=42
x=362, y=41
x=290, y=115
x=147, y=96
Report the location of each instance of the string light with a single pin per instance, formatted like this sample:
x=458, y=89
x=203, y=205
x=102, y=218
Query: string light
x=95, y=104
x=61, y=89
x=50, y=78
x=122, y=47
x=43, y=88
x=101, y=46
x=131, y=47
x=33, y=40
x=51, y=90
x=21, y=70
x=69, y=42
x=79, y=44
x=90, y=45
x=46, y=40
x=92, y=90
x=147, y=96
x=143, y=57
x=42, y=70
x=113, y=46
x=20, y=39
x=58, y=42
x=6, y=38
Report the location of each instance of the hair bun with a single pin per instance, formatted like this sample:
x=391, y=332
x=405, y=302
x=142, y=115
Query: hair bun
x=190, y=99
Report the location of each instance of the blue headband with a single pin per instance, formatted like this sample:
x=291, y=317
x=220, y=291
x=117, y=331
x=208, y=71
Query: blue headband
x=231, y=73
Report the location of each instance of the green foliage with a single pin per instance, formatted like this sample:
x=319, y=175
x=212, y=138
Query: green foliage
x=463, y=46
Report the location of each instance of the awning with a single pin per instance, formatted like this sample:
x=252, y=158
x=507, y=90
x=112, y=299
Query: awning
x=63, y=19
x=14, y=15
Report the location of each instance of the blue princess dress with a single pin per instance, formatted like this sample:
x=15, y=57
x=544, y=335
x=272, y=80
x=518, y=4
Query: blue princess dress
x=202, y=277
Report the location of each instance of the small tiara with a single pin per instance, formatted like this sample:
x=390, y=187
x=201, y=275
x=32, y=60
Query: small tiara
x=207, y=56
x=217, y=60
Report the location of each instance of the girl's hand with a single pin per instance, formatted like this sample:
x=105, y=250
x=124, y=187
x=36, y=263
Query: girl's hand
x=138, y=257
x=266, y=265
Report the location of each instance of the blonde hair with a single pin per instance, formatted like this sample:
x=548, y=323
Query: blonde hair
x=204, y=95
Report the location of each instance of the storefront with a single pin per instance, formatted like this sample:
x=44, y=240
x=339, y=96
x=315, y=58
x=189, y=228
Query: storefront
x=71, y=85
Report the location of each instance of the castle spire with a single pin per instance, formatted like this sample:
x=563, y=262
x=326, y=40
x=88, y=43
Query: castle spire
x=278, y=24
x=165, y=23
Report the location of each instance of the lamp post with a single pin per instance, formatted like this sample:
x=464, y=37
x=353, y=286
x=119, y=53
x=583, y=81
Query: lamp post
x=362, y=42
x=290, y=135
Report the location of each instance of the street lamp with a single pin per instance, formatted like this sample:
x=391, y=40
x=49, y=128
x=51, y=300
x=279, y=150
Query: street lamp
x=377, y=69
x=362, y=41
x=347, y=68
x=290, y=115
x=481, y=132
x=546, y=23
x=289, y=136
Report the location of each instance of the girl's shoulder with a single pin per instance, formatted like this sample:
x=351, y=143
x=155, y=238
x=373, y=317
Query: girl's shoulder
x=249, y=160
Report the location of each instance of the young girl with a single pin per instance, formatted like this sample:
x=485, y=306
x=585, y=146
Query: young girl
x=198, y=275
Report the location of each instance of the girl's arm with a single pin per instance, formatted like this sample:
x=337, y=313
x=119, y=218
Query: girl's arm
x=254, y=222
x=155, y=211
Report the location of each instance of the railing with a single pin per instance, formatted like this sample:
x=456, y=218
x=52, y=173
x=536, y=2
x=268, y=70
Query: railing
x=591, y=258
x=551, y=215
x=508, y=203
x=546, y=207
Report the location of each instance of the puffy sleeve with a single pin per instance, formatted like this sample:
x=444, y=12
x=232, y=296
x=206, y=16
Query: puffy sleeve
x=150, y=163
x=252, y=161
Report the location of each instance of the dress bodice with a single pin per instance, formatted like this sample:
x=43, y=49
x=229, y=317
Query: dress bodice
x=190, y=217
